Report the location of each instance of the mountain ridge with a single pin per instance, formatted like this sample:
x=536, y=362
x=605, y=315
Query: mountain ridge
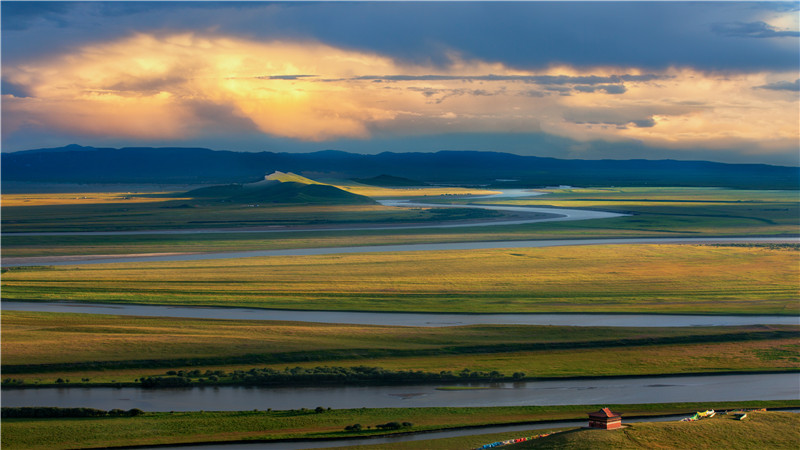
x=78, y=164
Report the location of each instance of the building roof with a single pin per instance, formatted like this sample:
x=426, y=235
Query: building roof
x=605, y=413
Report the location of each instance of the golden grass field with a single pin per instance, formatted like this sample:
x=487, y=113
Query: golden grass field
x=686, y=279
x=29, y=339
x=612, y=278
x=776, y=428
x=95, y=198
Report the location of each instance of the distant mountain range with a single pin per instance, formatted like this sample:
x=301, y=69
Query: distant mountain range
x=77, y=164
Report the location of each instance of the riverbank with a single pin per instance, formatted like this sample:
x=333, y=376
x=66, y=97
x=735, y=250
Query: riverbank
x=309, y=425
x=121, y=350
x=634, y=390
x=666, y=278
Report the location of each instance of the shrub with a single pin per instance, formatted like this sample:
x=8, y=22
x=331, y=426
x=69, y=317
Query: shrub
x=389, y=426
x=355, y=427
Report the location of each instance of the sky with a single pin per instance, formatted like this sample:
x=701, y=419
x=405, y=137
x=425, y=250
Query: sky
x=716, y=81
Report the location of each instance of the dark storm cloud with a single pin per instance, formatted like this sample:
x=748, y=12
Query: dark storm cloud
x=527, y=35
x=21, y=15
x=285, y=77
x=644, y=123
x=608, y=88
x=783, y=86
x=533, y=79
x=751, y=30
x=440, y=95
x=536, y=34
x=9, y=88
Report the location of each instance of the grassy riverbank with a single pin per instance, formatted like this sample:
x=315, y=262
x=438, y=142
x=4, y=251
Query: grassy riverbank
x=119, y=349
x=170, y=428
x=664, y=212
x=173, y=210
x=774, y=430
x=684, y=279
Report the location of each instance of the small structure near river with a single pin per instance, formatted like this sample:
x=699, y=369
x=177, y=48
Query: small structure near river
x=605, y=419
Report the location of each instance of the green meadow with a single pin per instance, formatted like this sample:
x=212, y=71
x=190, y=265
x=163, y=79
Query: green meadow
x=115, y=349
x=684, y=279
x=774, y=430
x=173, y=210
x=676, y=279
x=654, y=212
x=189, y=427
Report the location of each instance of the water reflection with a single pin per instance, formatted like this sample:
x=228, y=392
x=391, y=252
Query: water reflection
x=779, y=386
x=401, y=319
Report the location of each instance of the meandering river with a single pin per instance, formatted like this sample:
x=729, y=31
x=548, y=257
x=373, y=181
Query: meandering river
x=402, y=319
x=662, y=389
x=523, y=429
x=62, y=261
x=551, y=214
x=538, y=214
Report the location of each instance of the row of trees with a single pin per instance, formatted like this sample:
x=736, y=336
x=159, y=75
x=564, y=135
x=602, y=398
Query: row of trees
x=383, y=426
x=320, y=374
x=40, y=412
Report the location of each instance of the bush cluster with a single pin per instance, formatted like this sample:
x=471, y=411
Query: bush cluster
x=41, y=412
x=383, y=426
x=326, y=375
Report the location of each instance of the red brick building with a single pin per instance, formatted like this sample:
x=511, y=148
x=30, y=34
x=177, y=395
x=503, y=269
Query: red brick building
x=605, y=419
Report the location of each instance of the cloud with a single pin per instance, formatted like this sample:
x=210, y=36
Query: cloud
x=782, y=86
x=532, y=79
x=619, y=119
x=14, y=90
x=179, y=86
x=21, y=15
x=644, y=123
x=285, y=77
x=648, y=35
x=752, y=30
x=607, y=88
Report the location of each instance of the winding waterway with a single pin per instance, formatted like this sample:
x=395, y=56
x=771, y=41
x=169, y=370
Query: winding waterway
x=523, y=429
x=402, y=319
x=62, y=261
x=662, y=389
x=538, y=214
x=550, y=215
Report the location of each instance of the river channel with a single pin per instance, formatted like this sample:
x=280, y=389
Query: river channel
x=402, y=319
x=83, y=260
x=662, y=389
x=523, y=429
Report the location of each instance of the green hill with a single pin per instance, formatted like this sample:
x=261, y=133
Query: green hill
x=282, y=188
x=287, y=178
x=759, y=430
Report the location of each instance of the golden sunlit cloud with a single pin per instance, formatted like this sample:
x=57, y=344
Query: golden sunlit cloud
x=176, y=86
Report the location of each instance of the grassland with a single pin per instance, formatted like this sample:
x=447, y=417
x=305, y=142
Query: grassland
x=170, y=428
x=632, y=278
x=117, y=211
x=114, y=349
x=665, y=212
x=774, y=430
x=637, y=278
